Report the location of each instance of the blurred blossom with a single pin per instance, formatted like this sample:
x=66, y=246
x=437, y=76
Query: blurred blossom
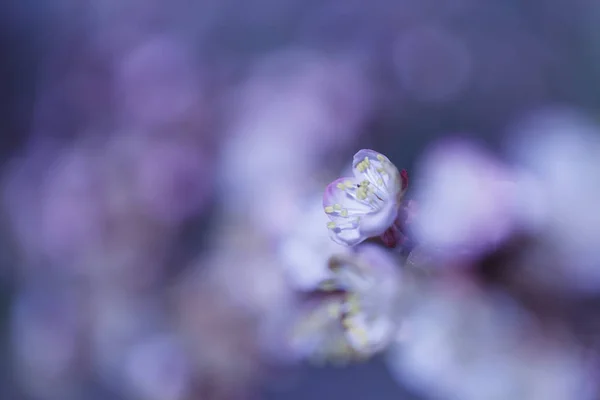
x=21, y=194
x=318, y=335
x=463, y=343
x=234, y=271
x=360, y=303
x=247, y=272
x=466, y=199
x=558, y=153
x=286, y=117
x=316, y=100
x=367, y=204
x=220, y=338
x=56, y=201
x=72, y=206
x=305, y=250
x=157, y=85
x=149, y=114
x=432, y=63
x=172, y=179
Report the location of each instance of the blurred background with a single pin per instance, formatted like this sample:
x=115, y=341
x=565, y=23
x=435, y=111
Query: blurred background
x=158, y=157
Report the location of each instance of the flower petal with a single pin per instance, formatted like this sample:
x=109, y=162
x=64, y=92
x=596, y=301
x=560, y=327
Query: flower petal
x=368, y=337
x=346, y=236
x=375, y=223
x=345, y=210
x=379, y=171
x=340, y=195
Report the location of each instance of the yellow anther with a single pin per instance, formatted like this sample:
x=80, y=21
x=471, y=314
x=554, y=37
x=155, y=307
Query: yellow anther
x=380, y=157
x=363, y=165
x=328, y=209
x=348, y=184
x=337, y=207
x=328, y=285
x=361, y=333
x=334, y=310
x=344, y=213
x=353, y=304
x=361, y=193
x=365, y=183
x=380, y=181
x=340, y=186
x=331, y=225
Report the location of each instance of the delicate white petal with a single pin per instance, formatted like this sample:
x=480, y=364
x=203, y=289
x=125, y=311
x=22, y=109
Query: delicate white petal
x=345, y=210
x=371, y=281
x=306, y=248
x=378, y=170
x=346, y=237
x=374, y=224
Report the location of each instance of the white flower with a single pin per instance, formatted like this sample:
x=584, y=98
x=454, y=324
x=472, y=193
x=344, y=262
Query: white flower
x=466, y=199
x=462, y=343
x=359, y=310
x=557, y=151
x=305, y=249
x=367, y=204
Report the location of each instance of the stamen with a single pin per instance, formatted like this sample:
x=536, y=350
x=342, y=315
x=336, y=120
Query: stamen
x=334, y=310
x=329, y=285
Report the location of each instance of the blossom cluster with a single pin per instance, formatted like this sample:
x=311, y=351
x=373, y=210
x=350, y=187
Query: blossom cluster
x=360, y=293
x=457, y=295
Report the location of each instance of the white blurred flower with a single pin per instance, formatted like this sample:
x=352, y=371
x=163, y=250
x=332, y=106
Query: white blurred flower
x=558, y=151
x=293, y=110
x=306, y=249
x=466, y=199
x=464, y=344
x=367, y=204
x=359, y=311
